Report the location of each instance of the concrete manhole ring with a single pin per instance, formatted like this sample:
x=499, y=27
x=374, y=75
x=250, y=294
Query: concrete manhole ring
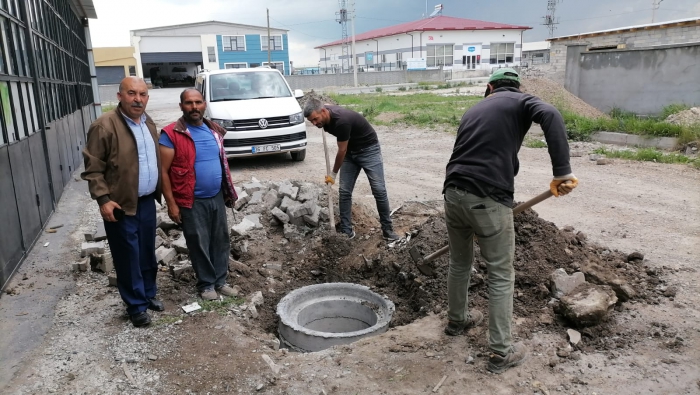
x=320, y=316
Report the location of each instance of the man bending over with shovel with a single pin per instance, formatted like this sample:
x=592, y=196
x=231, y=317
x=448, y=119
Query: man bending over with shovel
x=478, y=194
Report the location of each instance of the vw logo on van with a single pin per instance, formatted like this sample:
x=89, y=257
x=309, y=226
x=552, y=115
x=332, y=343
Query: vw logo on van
x=262, y=123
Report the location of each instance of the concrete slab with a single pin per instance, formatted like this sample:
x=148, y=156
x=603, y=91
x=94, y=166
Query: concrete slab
x=667, y=143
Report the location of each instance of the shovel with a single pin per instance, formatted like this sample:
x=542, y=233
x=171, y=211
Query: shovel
x=422, y=263
x=330, y=187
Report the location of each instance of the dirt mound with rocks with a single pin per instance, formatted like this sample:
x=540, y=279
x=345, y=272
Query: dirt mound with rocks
x=271, y=261
x=687, y=117
x=555, y=94
x=313, y=94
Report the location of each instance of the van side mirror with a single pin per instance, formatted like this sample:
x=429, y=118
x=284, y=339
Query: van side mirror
x=298, y=93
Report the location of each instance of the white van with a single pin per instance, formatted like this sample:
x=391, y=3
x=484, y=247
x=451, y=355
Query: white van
x=258, y=110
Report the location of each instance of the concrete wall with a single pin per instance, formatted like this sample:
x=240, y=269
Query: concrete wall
x=652, y=36
x=642, y=81
x=373, y=78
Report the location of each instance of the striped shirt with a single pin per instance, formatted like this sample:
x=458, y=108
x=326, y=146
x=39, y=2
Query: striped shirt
x=148, y=161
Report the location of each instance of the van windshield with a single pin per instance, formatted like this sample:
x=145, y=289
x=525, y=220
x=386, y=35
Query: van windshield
x=247, y=85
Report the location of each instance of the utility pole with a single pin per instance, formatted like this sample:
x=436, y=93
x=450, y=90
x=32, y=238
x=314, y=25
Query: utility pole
x=354, y=55
x=269, y=57
x=550, y=20
x=655, y=4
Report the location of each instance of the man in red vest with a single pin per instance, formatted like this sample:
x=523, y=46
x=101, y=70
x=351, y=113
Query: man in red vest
x=197, y=187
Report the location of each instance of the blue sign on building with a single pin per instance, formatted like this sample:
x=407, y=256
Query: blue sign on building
x=471, y=49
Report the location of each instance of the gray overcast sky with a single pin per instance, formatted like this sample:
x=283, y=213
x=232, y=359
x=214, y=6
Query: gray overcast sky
x=312, y=22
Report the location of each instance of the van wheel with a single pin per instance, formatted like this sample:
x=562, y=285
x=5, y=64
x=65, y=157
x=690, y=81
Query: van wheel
x=298, y=156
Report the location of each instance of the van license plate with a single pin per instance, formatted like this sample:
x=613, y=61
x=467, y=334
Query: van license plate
x=266, y=148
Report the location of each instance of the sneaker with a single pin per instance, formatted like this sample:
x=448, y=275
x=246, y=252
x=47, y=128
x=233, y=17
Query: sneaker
x=455, y=328
x=500, y=363
x=226, y=290
x=389, y=235
x=140, y=319
x=209, y=294
x=350, y=235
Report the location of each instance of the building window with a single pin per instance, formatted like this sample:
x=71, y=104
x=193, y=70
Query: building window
x=235, y=65
x=132, y=71
x=276, y=65
x=440, y=55
x=211, y=51
x=501, y=53
x=276, y=42
x=233, y=43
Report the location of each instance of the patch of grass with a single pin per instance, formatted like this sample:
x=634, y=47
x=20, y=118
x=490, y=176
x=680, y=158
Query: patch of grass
x=378, y=89
x=108, y=107
x=533, y=143
x=420, y=109
x=402, y=88
x=673, y=109
x=222, y=306
x=648, y=155
x=166, y=320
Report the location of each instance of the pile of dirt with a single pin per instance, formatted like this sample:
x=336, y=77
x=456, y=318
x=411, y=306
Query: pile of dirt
x=555, y=94
x=275, y=265
x=687, y=117
x=313, y=94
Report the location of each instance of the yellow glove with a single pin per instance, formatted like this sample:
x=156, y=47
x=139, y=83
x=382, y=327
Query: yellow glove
x=330, y=179
x=562, y=185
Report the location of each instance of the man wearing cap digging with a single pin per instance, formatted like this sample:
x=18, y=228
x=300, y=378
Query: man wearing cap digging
x=478, y=193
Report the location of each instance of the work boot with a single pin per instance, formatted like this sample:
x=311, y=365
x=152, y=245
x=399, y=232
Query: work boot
x=455, y=328
x=500, y=363
x=390, y=236
x=210, y=294
x=226, y=290
x=140, y=319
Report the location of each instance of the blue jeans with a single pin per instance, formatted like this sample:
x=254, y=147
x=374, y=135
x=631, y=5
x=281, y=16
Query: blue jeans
x=205, y=230
x=370, y=160
x=132, y=242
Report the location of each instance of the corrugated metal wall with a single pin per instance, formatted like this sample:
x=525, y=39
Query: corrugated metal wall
x=46, y=106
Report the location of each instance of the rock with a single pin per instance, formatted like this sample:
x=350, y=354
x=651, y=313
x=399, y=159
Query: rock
x=180, y=270
x=88, y=248
x=603, y=161
x=101, y=234
x=291, y=232
x=286, y=202
x=243, y=227
x=180, y=245
x=324, y=215
x=271, y=199
x=588, y=304
x=275, y=368
x=152, y=357
x=160, y=232
x=275, y=344
x=159, y=241
x=546, y=319
x=253, y=187
x=280, y=215
x=562, y=283
x=564, y=352
x=553, y=362
x=308, y=192
x=635, y=256
x=165, y=256
x=593, y=156
x=470, y=360
x=112, y=280
x=574, y=336
x=81, y=266
x=257, y=198
x=259, y=387
x=257, y=299
x=166, y=223
x=288, y=191
x=253, y=311
x=670, y=292
x=300, y=210
x=597, y=274
x=243, y=199
x=239, y=267
x=312, y=219
x=255, y=219
x=298, y=222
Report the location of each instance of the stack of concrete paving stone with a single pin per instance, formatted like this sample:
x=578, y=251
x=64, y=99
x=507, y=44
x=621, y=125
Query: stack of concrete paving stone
x=93, y=255
x=290, y=204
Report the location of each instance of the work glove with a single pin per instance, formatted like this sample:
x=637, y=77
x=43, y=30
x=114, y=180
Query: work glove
x=330, y=179
x=562, y=185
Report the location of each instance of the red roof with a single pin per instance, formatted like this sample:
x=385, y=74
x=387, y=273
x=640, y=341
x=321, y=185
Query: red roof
x=440, y=22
